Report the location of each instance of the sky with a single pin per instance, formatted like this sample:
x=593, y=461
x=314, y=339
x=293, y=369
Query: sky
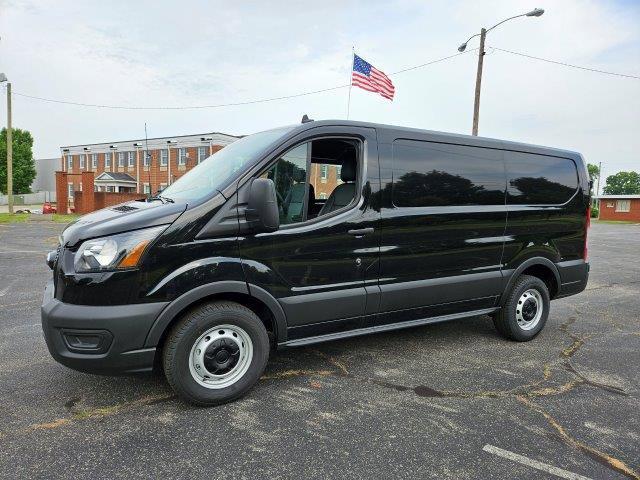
x=159, y=53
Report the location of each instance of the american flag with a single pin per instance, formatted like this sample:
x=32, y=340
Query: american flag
x=369, y=78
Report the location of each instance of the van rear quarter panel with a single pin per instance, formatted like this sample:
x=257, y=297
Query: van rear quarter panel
x=555, y=232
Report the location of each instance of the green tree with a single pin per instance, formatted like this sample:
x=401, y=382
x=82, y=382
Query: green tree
x=24, y=170
x=623, y=183
x=594, y=171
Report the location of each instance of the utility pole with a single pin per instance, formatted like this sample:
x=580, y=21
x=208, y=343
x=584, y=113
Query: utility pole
x=476, y=103
x=598, y=184
x=9, y=151
x=536, y=12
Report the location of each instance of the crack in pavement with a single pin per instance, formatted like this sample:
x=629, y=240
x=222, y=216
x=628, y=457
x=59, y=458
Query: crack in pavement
x=79, y=413
x=522, y=393
x=601, y=457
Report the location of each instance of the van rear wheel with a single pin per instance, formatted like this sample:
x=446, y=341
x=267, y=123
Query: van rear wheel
x=215, y=353
x=525, y=310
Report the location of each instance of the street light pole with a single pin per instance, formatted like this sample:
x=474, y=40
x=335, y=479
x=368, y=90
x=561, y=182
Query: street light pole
x=536, y=12
x=9, y=151
x=3, y=78
x=476, y=101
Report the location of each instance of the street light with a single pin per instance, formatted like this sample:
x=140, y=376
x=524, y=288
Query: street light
x=536, y=12
x=3, y=78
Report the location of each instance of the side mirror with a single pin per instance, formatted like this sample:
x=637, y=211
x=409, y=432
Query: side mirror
x=262, y=208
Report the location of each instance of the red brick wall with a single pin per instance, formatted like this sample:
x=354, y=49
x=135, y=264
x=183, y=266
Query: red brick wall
x=102, y=200
x=62, y=200
x=609, y=213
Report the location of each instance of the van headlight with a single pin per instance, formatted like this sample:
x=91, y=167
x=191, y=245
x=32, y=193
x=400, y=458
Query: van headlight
x=114, y=252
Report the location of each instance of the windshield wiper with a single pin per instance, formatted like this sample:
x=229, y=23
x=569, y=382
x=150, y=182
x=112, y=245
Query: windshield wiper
x=163, y=199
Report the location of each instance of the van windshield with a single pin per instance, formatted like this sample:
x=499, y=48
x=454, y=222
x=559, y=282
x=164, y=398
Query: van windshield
x=215, y=172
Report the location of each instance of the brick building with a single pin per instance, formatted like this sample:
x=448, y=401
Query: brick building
x=324, y=178
x=123, y=167
x=619, y=207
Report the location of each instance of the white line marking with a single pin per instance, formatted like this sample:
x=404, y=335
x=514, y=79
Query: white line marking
x=558, y=472
x=4, y=291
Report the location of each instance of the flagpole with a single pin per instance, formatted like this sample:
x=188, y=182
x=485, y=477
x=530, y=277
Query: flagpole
x=353, y=57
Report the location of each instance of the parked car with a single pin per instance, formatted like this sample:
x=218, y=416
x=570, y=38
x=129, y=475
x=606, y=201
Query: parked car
x=316, y=232
x=48, y=207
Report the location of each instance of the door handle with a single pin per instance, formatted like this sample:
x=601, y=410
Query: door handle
x=360, y=232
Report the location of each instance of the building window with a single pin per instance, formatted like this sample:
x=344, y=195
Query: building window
x=110, y=188
x=147, y=189
x=182, y=156
x=130, y=161
x=623, y=205
x=107, y=160
x=70, y=190
x=202, y=153
x=323, y=196
x=94, y=160
x=324, y=172
x=164, y=157
x=147, y=159
x=121, y=159
x=82, y=160
x=69, y=162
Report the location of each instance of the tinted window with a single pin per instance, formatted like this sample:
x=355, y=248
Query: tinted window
x=536, y=179
x=430, y=174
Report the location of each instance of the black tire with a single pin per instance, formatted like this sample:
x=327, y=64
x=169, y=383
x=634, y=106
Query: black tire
x=506, y=321
x=184, y=335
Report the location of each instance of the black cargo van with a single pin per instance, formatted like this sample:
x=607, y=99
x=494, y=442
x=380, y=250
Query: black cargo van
x=316, y=232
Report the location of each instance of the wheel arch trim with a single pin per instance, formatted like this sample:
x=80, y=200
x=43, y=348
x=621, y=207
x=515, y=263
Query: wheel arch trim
x=173, y=309
x=530, y=262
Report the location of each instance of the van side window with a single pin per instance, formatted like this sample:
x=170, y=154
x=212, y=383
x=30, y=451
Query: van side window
x=427, y=174
x=538, y=179
x=315, y=178
x=289, y=174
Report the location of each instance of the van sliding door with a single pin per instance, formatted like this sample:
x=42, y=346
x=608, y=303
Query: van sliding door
x=443, y=223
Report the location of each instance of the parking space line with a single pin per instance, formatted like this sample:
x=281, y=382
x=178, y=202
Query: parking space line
x=4, y=291
x=558, y=472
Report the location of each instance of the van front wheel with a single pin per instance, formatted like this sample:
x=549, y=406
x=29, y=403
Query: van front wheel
x=216, y=353
x=525, y=310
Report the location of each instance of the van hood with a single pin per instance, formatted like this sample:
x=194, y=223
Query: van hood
x=121, y=218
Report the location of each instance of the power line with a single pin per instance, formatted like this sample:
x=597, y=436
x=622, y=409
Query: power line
x=564, y=64
x=220, y=105
x=312, y=92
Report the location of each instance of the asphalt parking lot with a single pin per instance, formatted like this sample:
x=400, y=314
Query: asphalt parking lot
x=450, y=400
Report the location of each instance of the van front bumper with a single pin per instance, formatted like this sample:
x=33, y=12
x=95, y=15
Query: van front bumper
x=99, y=339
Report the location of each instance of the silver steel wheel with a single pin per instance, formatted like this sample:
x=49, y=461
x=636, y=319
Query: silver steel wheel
x=220, y=356
x=529, y=309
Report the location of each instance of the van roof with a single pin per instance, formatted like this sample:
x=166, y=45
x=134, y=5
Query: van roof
x=388, y=133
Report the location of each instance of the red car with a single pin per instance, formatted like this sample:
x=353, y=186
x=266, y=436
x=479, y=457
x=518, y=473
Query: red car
x=48, y=208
